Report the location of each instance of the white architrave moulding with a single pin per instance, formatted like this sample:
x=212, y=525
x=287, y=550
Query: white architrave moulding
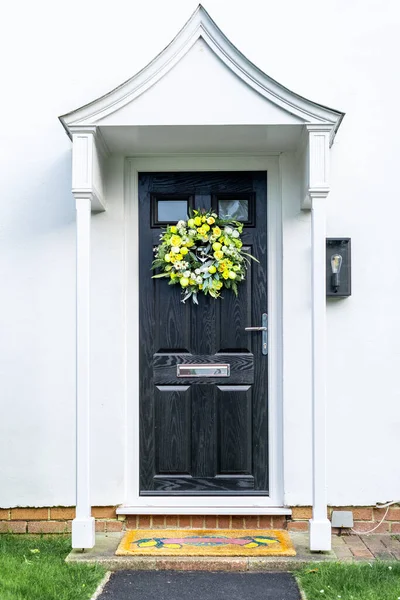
x=84, y=127
x=88, y=152
x=317, y=150
x=83, y=526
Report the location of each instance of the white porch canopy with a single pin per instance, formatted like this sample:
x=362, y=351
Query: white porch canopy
x=200, y=96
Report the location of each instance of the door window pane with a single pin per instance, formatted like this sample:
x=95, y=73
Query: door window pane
x=233, y=209
x=171, y=211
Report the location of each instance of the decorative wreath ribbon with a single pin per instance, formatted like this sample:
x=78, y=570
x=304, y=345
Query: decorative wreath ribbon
x=203, y=254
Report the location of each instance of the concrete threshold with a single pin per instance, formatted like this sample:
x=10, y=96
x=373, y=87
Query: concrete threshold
x=106, y=544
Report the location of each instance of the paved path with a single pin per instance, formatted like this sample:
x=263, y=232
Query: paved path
x=172, y=585
x=366, y=547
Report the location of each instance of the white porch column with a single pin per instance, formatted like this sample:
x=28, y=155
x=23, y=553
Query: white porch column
x=83, y=526
x=87, y=188
x=318, y=190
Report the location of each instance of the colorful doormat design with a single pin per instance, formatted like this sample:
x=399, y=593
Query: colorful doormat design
x=206, y=542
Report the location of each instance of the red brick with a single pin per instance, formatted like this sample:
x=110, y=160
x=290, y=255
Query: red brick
x=251, y=522
x=265, y=522
x=237, y=522
x=297, y=525
x=224, y=522
x=132, y=522
x=279, y=522
x=185, y=521
x=171, y=521
x=364, y=526
x=158, y=521
x=27, y=514
x=62, y=513
x=363, y=513
x=12, y=526
x=144, y=522
x=4, y=513
x=393, y=514
x=100, y=526
x=114, y=525
x=211, y=522
x=104, y=512
x=301, y=513
x=49, y=527
x=395, y=527
x=360, y=552
x=197, y=522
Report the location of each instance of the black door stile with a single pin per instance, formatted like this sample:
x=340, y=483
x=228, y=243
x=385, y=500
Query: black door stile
x=202, y=436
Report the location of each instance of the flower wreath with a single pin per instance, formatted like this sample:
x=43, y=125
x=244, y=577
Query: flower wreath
x=202, y=254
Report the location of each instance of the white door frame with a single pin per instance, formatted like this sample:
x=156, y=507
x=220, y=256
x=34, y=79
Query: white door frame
x=134, y=503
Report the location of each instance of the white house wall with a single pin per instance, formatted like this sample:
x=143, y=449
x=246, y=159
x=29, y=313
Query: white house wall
x=37, y=238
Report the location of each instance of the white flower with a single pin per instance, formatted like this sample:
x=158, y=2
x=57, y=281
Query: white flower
x=186, y=274
x=228, y=230
x=235, y=233
x=197, y=271
x=175, y=249
x=224, y=248
x=181, y=224
x=199, y=279
x=390, y=568
x=192, y=232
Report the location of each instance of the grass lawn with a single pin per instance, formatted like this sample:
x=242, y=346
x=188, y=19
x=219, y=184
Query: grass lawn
x=33, y=568
x=351, y=581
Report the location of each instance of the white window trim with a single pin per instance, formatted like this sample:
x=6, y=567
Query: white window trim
x=134, y=503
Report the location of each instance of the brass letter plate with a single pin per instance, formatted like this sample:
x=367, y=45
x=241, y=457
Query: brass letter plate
x=190, y=371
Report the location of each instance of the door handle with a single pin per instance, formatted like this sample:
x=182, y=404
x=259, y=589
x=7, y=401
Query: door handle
x=264, y=330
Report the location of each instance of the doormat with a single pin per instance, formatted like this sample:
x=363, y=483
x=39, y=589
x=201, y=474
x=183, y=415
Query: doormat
x=206, y=542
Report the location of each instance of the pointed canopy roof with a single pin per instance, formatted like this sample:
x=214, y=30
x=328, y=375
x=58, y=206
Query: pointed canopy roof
x=242, y=93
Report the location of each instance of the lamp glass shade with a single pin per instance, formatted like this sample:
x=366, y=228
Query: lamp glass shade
x=336, y=263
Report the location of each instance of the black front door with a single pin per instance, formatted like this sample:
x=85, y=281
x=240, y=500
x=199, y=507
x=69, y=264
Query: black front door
x=206, y=435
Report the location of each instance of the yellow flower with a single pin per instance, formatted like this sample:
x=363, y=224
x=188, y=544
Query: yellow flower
x=217, y=246
x=184, y=281
x=178, y=256
x=197, y=221
x=191, y=223
x=203, y=219
x=174, y=229
x=206, y=227
x=217, y=285
x=192, y=281
x=176, y=240
x=173, y=258
x=210, y=220
x=225, y=274
x=172, y=275
x=232, y=275
x=216, y=231
x=218, y=254
x=212, y=269
x=184, y=251
x=167, y=258
x=200, y=286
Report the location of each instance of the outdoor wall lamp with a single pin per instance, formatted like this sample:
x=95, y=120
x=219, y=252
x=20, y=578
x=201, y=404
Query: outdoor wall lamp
x=336, y=265
x=338, y=282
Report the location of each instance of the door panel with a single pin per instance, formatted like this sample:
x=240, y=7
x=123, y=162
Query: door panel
x=203, y=435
